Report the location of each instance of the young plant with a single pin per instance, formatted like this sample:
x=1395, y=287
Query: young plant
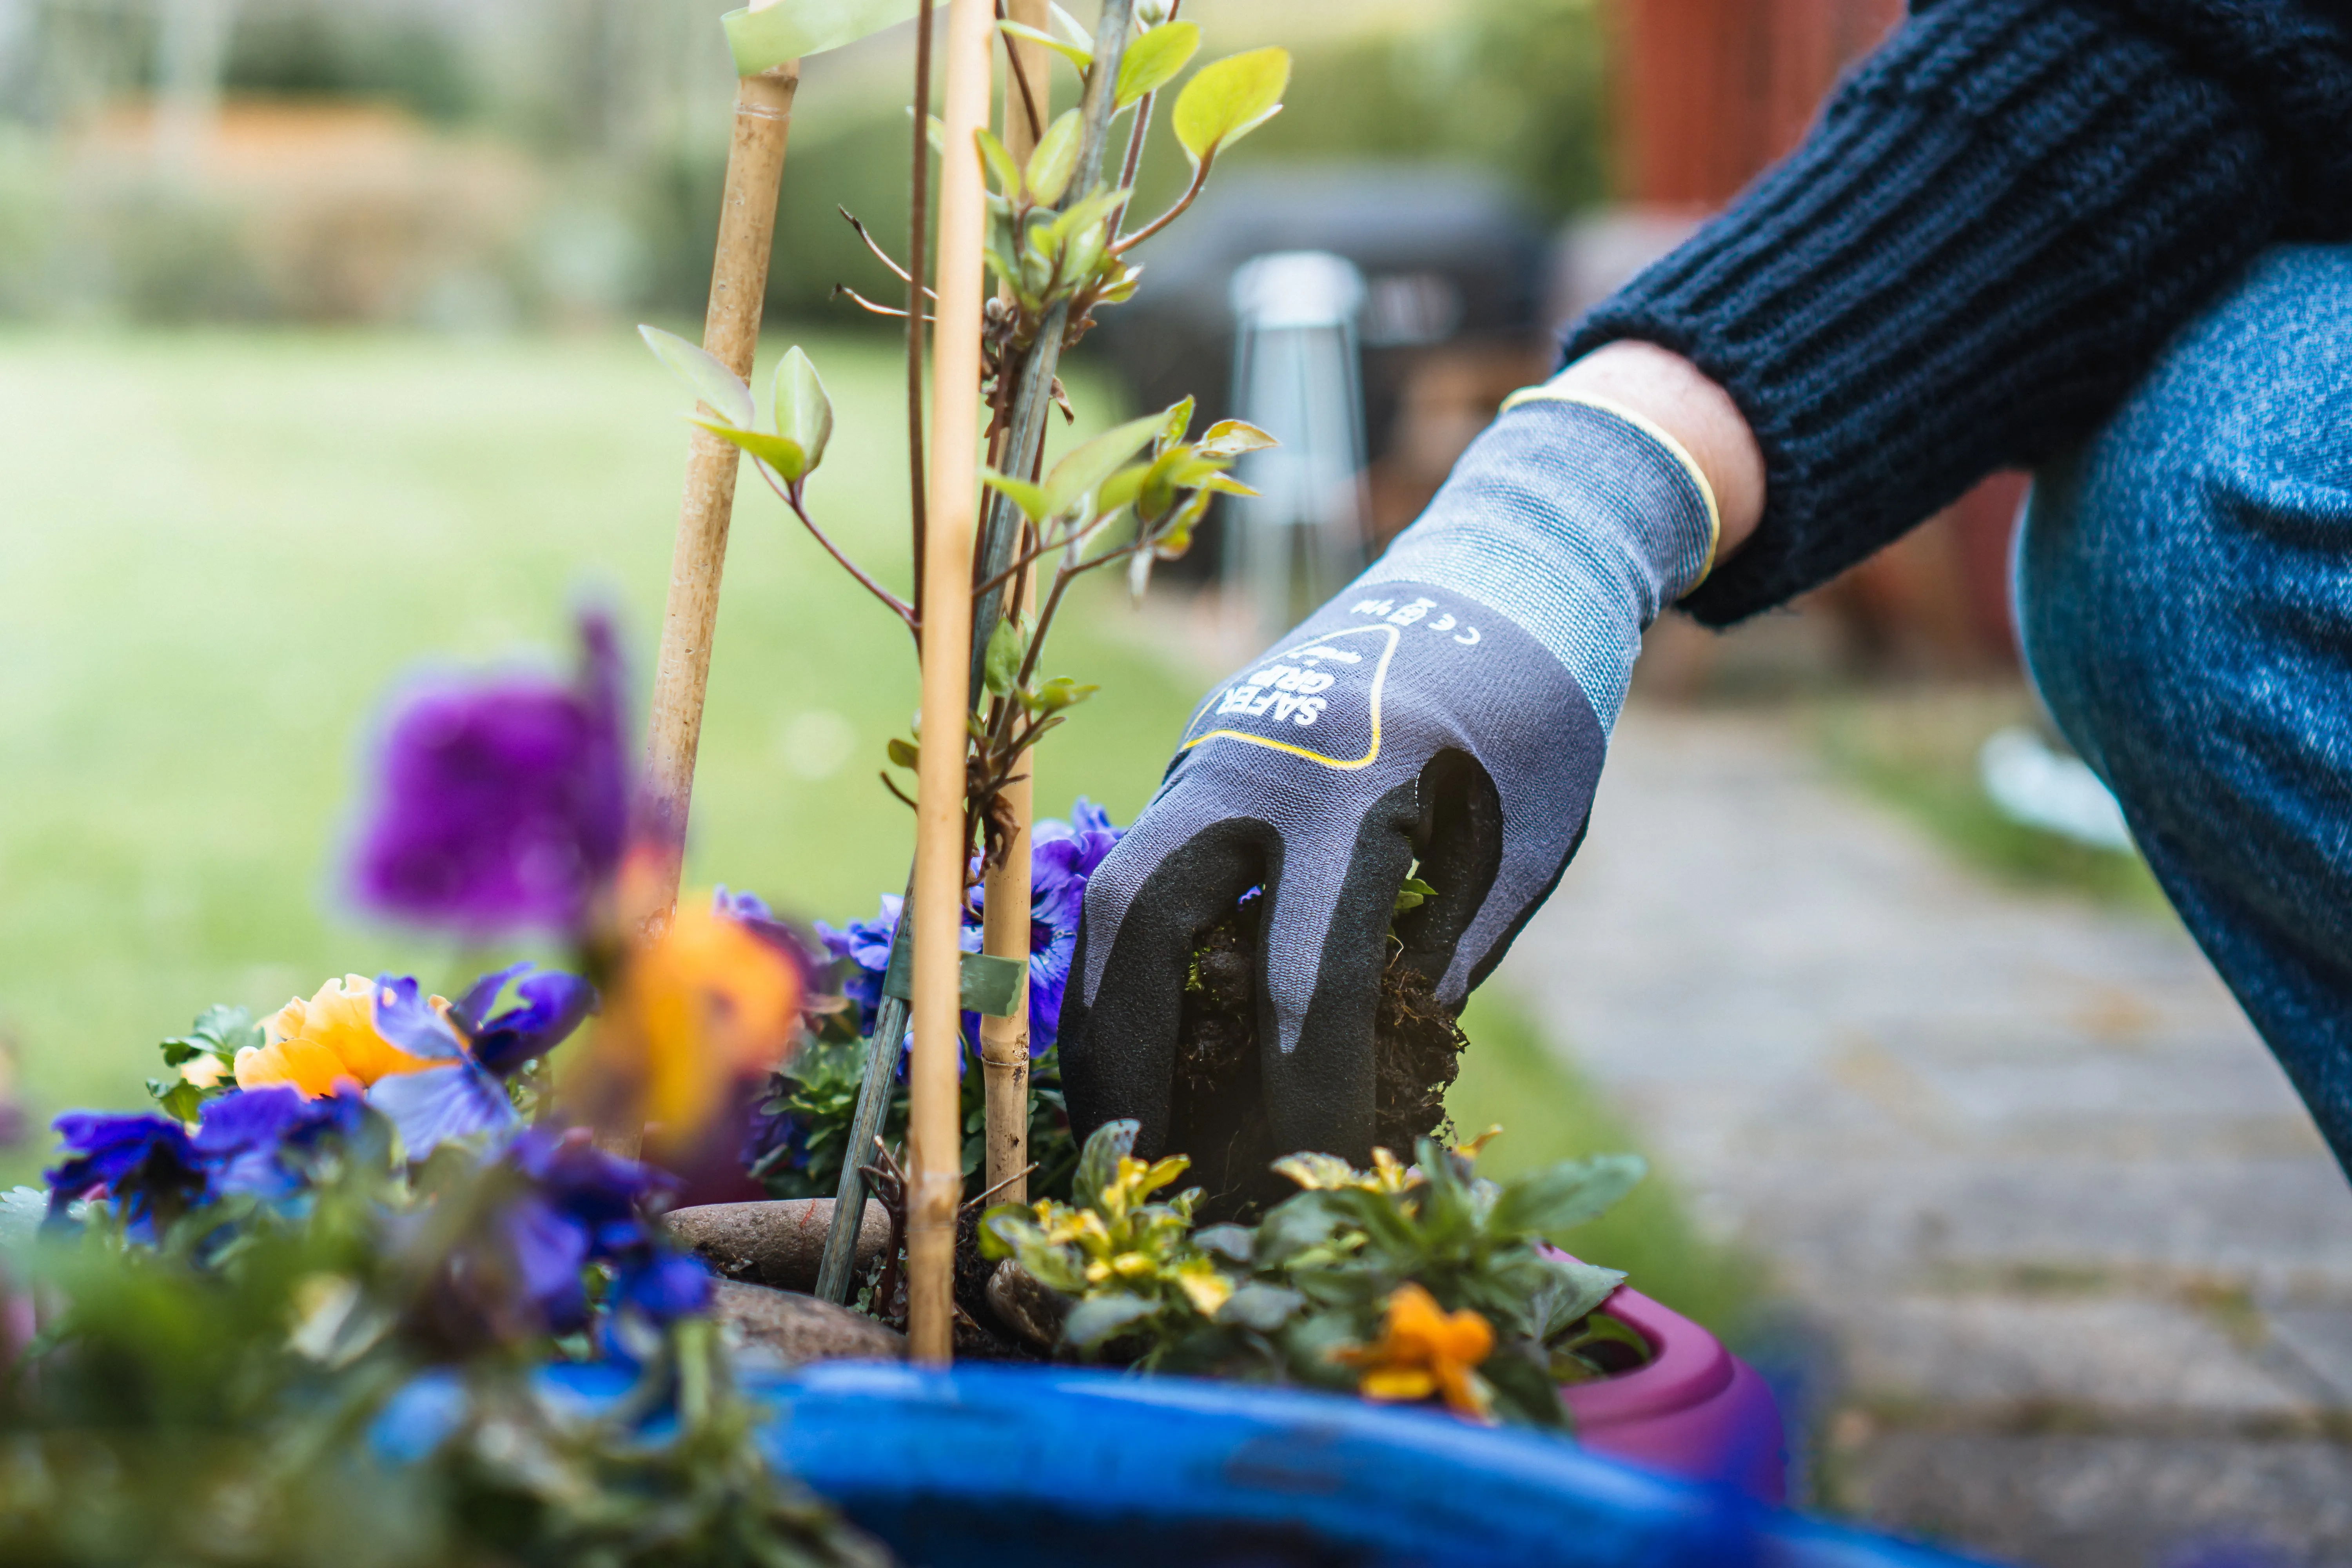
x=1402, y=1283
x=1058, y=243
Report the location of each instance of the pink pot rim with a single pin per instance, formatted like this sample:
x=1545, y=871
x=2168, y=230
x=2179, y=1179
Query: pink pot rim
x=1687, y=1367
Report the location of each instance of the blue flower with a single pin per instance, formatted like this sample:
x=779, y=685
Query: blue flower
x=145, y=1164
x=467, y=1096
x=862, y=952
x=1061, y=857
x=549, y=1006
x=582, y=1207
x=258, y=1140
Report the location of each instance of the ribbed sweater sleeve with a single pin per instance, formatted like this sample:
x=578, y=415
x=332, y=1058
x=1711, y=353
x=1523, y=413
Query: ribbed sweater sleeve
x=1999, y=220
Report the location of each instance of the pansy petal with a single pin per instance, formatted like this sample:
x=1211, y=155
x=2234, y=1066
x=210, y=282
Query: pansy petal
x=552, y=1005
x=483, y=994
x=404, y=1017
x=432, y=1107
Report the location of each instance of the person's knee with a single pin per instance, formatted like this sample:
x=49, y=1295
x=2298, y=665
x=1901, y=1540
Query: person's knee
x=2185, y=587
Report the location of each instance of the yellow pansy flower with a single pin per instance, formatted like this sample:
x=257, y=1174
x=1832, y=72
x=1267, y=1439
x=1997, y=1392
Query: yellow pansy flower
x=328, y=1041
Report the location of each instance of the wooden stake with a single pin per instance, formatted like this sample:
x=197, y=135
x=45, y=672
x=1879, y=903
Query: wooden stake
x=1004, y=932
x=933, y=1133
x=731, y=330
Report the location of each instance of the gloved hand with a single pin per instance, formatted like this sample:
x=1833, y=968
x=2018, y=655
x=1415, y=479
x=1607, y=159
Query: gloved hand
x=1452, y=705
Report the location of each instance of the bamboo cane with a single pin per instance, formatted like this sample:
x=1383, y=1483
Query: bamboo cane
x=936, y=1173
x=1004, y=927
x=731, y=330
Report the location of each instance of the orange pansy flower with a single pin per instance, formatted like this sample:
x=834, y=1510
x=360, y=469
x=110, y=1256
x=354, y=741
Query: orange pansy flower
x=1426, y=1352
x=330, y=1040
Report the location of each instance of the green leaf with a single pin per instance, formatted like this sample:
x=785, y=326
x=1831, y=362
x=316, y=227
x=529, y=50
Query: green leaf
x=1229, y=1242
x=1176, y=537
x=1550, y=1202
x=1152, y=61
x=1412, y=895
x=1232, y=437
x=1030, y=499
x=1264, y=1307
x=803, y=412
x=1228, y=98
x=1091, y=1323
x=1000, y=166
x=1098, y=1160
x=220, y=1031
x=1007, y=646
x=1055, y=159
x=1180, y=419
x=180, y=1101
x=905, y=753
x=712, y=381
x=1086, y=466
x=1061, y=692
x=1077, y=55
x=778, y=452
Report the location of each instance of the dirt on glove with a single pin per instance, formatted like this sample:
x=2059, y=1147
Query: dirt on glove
x=1218, y=1111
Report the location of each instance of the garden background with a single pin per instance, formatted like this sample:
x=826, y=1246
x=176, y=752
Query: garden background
x=315, y=364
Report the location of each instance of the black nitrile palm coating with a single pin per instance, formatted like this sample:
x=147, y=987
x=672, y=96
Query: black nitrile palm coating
x=1403, y=720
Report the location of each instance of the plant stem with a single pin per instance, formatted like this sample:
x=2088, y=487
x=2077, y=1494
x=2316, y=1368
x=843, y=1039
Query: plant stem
x=1200, y=177
x=897, y=607
x=1137, y=134
x=1001, y=532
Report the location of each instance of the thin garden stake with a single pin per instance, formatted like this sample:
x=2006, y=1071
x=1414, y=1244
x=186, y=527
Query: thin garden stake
x=935, y=1167
x=731, y=330
x=1004, y=925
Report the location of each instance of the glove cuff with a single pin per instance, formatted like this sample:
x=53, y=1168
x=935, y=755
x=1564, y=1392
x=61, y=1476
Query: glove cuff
x=1578, y=519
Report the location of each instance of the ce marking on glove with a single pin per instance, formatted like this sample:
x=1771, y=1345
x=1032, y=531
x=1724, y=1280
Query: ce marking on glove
x=1340, y=675
x=1409, y=613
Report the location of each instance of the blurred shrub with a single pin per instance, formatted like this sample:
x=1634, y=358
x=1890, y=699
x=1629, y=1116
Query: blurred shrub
x=312, y=52
x=1515, y=86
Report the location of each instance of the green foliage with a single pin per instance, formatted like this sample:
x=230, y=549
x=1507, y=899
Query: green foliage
x=207, y=1057
x=1315, y=1278
x=278, y=1386
x=801, y=412
x=1152, y=61
x=1228, y=98
x=819, y=1093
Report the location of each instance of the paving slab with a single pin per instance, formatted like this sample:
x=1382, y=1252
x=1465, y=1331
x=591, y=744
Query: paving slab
x=2018, y=1159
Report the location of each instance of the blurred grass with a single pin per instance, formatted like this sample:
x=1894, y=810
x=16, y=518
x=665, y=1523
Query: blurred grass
x=221, y=550
x=1916, y=751
x=1547, y=1112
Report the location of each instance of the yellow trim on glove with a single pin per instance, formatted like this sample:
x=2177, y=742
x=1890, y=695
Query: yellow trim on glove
x=1548, y=393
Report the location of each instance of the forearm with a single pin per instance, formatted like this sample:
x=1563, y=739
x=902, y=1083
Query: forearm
x=1676, y=395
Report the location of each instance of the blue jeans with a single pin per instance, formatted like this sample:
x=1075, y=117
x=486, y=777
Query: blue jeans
x=2185, y=600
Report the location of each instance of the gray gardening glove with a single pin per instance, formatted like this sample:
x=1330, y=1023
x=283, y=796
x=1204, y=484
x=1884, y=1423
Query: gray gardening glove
x=1453, y=705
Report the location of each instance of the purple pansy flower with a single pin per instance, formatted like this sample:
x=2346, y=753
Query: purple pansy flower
x=584, y=1206
x=1061, y=857
x=862, y=949
x=145, y=1164
x=254, y=1140
x=469, y=1096
x=502, y=802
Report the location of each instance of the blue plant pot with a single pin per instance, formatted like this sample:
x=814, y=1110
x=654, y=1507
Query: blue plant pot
x=981, y=1465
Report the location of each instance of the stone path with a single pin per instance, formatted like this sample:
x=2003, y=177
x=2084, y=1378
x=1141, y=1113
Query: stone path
x=2081, y=1267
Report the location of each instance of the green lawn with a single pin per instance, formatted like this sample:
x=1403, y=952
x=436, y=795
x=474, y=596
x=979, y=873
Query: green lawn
x=217, y=552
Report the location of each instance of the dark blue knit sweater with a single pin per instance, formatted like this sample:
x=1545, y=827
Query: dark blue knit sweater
x=1999, y=220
